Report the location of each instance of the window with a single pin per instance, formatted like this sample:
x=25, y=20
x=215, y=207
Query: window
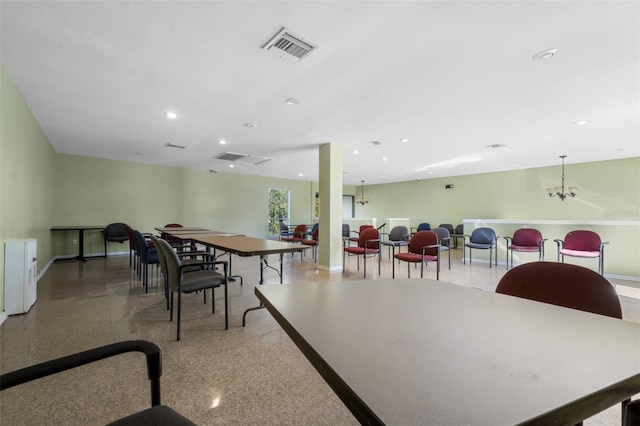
x=278, y=209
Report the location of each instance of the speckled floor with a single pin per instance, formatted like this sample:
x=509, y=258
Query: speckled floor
x=243, y=376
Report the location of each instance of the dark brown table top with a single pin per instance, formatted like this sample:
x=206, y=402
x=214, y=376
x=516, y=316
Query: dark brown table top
x=76, y=227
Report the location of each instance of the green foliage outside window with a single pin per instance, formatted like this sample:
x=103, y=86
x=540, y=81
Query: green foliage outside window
x=278, y=209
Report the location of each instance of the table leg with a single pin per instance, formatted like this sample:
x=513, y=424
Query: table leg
x=81, y=245
x=263, y=259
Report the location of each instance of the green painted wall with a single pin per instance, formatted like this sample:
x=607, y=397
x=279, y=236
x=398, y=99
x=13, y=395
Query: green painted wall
x=608, y=201
x=40, y=189
x=27, y=176
x=92, y=191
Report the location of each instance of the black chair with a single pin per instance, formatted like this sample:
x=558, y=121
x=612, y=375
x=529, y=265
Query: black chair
x=458, y=233
x=147, y=255
x=482, y=239
x=204, y=279
x=115, y=232
x=156, y=415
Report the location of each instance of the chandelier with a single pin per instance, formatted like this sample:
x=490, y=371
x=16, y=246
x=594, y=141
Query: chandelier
x=362, y=199
x=558, y=191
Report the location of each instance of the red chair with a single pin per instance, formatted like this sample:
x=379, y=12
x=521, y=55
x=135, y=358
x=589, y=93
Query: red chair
x=299, y=234
x=423, y=247
x=362, y=228
x=562, y=284
x=313, y=242
x=172, y=240
x=526, y=240
x=581, y=243
x=368, y=245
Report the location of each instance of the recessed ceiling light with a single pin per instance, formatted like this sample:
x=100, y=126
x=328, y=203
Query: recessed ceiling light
x=355, y=151
x=376, y=143
x=430, y=173
x=231, y=166
x=384, y=158
x=170, y=115
x=222, y=142
x=404, y=140
x=300, y=174
x=292, y=101
x=581, y=122
x=250, y=125
x=544, y=54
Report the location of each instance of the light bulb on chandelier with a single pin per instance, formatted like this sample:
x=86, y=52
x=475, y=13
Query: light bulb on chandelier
x=362, y=200
x=558, y=191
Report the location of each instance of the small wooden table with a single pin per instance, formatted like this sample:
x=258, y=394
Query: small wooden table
x=424, y=352
x=80, y=230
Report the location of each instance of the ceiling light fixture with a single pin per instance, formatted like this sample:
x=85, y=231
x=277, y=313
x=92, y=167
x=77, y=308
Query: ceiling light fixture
x=231, y=166
x=292, y=101
x=581, y=122
x=170, y=115
x=384, y=158
x=404, y=140
x=558, y=191
x=250, y=125
x=222, y=142
x=544, y=54
x=362, y=200
x=355, y=151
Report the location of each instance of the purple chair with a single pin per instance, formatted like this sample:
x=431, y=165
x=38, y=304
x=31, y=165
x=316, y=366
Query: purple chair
x=581, y=243
x=525, y=240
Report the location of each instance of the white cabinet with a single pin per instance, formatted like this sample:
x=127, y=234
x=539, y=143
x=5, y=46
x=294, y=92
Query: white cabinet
x=20, y=272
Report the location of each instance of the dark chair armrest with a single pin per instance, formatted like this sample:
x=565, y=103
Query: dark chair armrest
x=47, y=368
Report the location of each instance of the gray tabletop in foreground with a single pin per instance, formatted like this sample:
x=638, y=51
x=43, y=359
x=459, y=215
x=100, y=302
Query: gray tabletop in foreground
x=421, y=352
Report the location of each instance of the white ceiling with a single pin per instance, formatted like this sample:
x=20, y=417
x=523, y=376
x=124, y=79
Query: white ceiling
x=451, y=76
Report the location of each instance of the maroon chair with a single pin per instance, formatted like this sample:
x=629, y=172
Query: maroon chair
x=299, y=234
x=525, y=240
x=581, y=243
x=313, y=242
x=423, y=247
x=172, y=240
x=368, y=245
x=355, y=239
x=562, y=284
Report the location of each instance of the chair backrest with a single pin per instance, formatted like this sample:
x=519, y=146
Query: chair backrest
x=421, y=239
x=363, y=227
x=132, y=238
x=173, y=264
x=369, y=234
x=562, y=284
x=300, y=231
x=447, y=226
x=173, y=225
x=443, y=235
x=346, y=230
x=116, y=231
x=527, y=237
x=582, y=240
x=483, y=236
x=161, y=258
x=460, y=229
x=424, y=227
x=399, y=233
x=141, y=246
x=283, y=226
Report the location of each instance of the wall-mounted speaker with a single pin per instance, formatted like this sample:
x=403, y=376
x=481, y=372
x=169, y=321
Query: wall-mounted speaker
x=448, y=186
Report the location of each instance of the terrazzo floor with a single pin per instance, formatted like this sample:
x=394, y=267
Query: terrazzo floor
x=251, y=375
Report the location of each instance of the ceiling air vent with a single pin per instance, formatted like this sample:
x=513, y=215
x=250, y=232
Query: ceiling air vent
x=242, y=158
x=496, y=146
x=289, y=45
x=229, y=156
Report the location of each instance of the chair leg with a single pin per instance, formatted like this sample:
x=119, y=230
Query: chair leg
x=171, y=307
x=226, y=307
x=179, y=312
